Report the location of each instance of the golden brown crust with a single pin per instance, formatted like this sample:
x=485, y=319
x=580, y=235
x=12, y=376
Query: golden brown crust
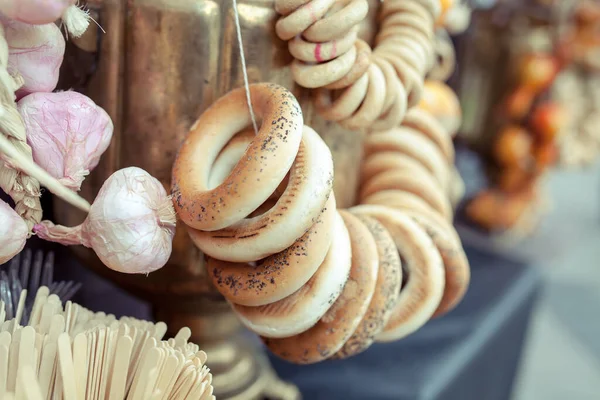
x=423, y=267
x=268, y=158
x=302, y=309
x=387, y=290
x=343, y=318
x=279, y=275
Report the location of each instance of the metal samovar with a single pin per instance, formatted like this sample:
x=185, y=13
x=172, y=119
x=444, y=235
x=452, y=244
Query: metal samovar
x=155, y=66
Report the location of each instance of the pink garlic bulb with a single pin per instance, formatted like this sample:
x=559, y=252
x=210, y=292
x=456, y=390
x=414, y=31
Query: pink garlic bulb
x=13, y=232
x=67, y=132
x=35, y=54
x=35, y=11
x=130, y=226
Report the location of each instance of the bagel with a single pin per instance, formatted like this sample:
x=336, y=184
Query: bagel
x=423, y=266
x=371, y=87
x=342, y=319
x=387, y=290
x=309, y=184
x=302, y=309
x=258, y=173
x=281, y=274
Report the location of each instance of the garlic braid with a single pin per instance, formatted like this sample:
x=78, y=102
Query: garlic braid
x=356, y=86
x=314, y=282
x=24, y=189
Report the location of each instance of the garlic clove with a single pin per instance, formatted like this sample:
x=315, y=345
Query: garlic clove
x=66, y=153
x=35, y=11
x=13, y=233
x=130, y=226
x=35, y=55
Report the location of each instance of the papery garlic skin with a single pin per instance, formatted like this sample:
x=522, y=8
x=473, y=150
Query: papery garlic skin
x=35, y=11
x=67, y=132
x=130, y=226
x=35, y=54
x=125, y=225
x=13, y=233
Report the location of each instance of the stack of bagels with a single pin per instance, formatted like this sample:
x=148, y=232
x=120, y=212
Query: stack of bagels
x=317, y=282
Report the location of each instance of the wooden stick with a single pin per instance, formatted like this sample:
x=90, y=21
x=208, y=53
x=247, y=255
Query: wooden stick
x=27, y=381
x=3, y=369
x=13, y=357
x=26, y=348
x=67, y=371
x=47, y=368
x=20, y=307
x=79, y=363
x=118, y=380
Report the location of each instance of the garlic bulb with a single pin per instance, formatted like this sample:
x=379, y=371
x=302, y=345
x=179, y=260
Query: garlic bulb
x=130, y=226
x=67, y=132
x=35, y=11
x=13, y=233
x=35, y=54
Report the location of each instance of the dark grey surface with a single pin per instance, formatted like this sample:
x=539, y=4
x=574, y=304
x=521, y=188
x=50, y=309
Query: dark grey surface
x=472, y=353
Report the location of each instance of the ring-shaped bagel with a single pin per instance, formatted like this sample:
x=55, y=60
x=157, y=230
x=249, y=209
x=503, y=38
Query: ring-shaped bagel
x=256, y=176
x=422, y=121
x=342, y=319
x=413, y=144
x=401, y=200
x=360, y=67
x=285, y=7
x=407, y=7
x=387, y=290
x=308, y=186
x=422, y=263
x=421, y=185
x=313, y=76
x=229, y=157
x=301, y=18
x=383, y=161
x=346, y=104
x=371, y=105
x=321, y=52
x=337, y=21
x=302, y=309
x=456, y=265
x=279, y=275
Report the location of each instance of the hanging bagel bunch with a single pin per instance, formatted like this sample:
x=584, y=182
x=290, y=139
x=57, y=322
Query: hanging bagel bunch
x=313, y=281
x=355, y=85
x=410, y=168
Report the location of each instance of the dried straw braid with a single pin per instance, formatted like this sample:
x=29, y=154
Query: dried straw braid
x=24, y=189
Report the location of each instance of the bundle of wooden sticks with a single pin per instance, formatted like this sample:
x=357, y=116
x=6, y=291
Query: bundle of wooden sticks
x=72, y=353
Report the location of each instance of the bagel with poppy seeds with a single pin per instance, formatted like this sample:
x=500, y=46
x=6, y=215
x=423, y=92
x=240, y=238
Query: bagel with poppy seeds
x=344, y=316
x=422, y=265
x=302, y=309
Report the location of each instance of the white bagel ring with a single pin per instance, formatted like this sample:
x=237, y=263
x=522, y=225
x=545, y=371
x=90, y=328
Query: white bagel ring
x=279, y=275
x=256, y=176
x=387, y=290
x=309, y=185
x=421, y=296
x=336, y=327
x=302, y=309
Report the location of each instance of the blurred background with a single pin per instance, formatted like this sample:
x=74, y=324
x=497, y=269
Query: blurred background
x=528, y=80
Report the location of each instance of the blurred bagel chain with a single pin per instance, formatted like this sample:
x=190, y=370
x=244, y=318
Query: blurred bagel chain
x=313, y=281
x=357, y=86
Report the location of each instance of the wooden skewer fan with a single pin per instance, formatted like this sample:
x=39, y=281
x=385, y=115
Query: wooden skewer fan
x=76, y=354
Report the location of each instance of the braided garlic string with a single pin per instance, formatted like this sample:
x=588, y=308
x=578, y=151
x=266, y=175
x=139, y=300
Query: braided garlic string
x=24, y=189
